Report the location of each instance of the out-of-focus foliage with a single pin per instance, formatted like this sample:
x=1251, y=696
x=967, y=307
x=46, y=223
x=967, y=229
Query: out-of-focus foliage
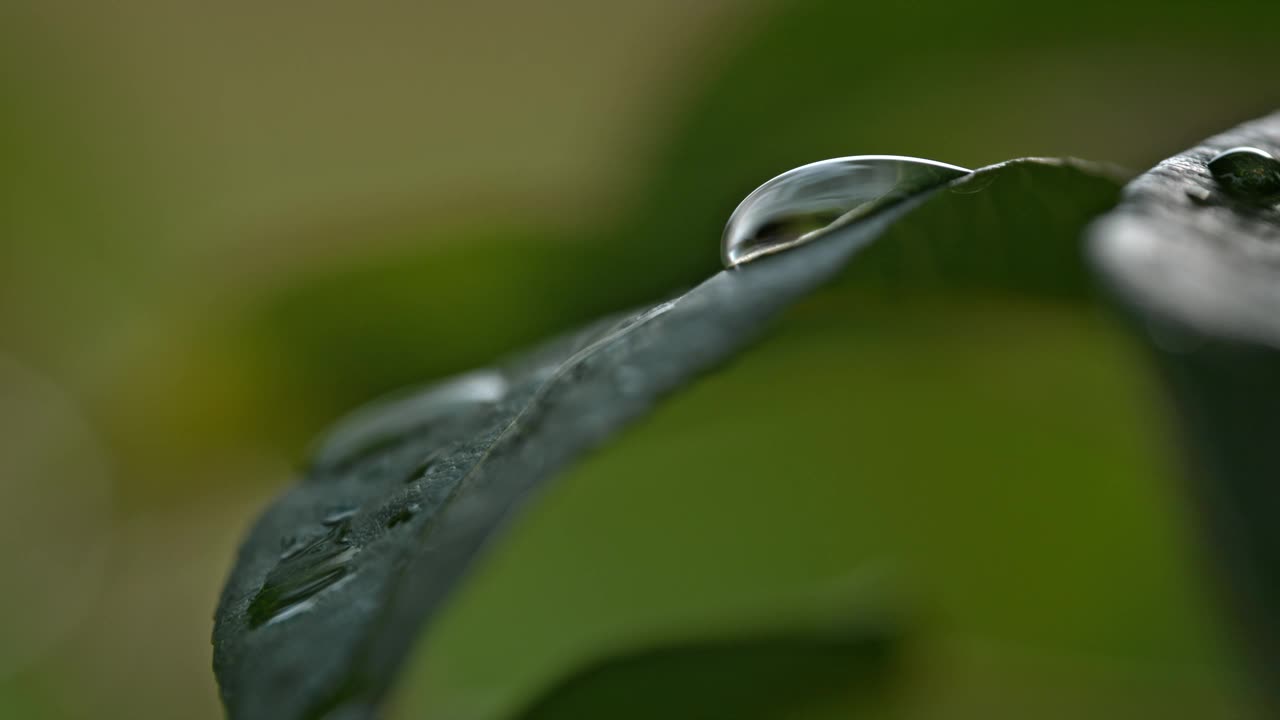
x=223, y=224
x=1192, y=256
x=751, y=676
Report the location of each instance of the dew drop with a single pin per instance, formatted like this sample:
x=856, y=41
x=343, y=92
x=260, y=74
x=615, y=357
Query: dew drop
x=1247, y=172
x=432, y=464
x=339, y=516
x=305, y=569
x=1199, y=195
x=801, y=204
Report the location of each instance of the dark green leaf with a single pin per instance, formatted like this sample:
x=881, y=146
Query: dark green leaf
x=338, y=577
x=750, y=677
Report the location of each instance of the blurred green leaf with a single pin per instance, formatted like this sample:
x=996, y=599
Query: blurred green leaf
x=826, y=78
x=747, y=677
x=1197, y=270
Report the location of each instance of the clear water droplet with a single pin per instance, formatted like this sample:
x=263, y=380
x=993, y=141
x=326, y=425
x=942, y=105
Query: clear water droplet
x=1199, y=195
x=432, y=464
x=801, y=204
x=1247, y=171
x=339, y=516
x=304, y=570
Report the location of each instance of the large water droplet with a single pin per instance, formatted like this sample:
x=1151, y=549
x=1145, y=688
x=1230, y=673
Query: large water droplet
x=305, y=568
x=801, y=204
x=1247, y=171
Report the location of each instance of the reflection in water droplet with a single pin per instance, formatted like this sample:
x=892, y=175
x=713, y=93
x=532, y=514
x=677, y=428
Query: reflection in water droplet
x=1247, y=171
x=304, y=570
x=799, y=205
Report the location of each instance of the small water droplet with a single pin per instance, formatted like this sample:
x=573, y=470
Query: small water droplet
x=338, y=516
x=1199, y=195
x=432, y=464
x=801, y=204
x=1247, y=172
x=303, y=571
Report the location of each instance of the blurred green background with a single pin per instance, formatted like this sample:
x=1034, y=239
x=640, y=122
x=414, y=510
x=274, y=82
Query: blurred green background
x=221, y=225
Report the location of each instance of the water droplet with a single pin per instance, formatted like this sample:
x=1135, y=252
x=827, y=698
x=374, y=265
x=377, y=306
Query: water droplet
x=1199, y=195
x=303, y=571
x=339, y=516
x=801, y=204
x=1247, y=171
x=432, y=464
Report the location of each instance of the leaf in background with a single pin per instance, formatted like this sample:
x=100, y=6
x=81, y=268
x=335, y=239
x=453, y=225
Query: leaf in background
x=794, y=89
x=1198, y=270
x=336, y=580
x=747, y=677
